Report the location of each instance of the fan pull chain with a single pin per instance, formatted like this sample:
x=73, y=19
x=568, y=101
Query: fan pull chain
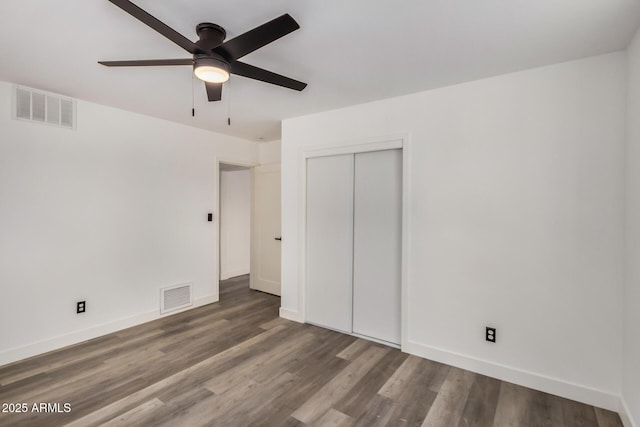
x=229, y=102
x=193, y=107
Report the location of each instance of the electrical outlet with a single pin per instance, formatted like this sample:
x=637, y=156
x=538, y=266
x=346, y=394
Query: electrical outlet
x=490, y=334
x=81, y=306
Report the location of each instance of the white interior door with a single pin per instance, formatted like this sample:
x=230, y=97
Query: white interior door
x=265, y=229
x=329, y=241
x=377, y=244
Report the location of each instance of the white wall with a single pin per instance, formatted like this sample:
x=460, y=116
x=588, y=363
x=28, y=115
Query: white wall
x=235, y=223
x=109, y=213
x=516, y=188
x=631, y=374
x=269, y=152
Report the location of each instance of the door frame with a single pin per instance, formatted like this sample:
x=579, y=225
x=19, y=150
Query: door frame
x=389, y=142
x=216, y=211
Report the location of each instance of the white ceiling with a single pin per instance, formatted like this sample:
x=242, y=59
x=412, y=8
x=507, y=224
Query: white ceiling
x=348, y=51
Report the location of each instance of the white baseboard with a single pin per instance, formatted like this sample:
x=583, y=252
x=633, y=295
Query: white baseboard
x=295, y=316
x=55, y=343
x=558, y=387
x=224, y=275
x=625, y=414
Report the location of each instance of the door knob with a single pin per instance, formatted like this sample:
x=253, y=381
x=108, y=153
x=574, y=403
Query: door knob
x=278, y=238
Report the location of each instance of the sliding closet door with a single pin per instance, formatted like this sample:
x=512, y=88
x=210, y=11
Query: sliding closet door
x=329, y=241
x=377, y=244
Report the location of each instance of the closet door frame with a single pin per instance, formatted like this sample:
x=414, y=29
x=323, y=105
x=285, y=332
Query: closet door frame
x=399, y=141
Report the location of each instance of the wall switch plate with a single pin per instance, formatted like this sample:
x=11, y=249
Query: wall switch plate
x=490, y=334
x=81, y=306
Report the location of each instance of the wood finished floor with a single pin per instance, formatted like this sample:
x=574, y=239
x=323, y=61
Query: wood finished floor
x=235, y=363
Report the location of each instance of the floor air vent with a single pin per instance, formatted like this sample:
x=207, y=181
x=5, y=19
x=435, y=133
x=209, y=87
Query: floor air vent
x=174, y=298
x=40, y=107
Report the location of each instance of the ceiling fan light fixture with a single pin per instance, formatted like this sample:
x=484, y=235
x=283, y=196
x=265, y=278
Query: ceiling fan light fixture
x=212, y=70
x=214, y=58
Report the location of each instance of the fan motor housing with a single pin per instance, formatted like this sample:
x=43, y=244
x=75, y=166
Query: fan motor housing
x=210, y=34
x=213, y=60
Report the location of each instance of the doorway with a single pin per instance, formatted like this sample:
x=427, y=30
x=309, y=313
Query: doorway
x=234, y=221
x=249, y=242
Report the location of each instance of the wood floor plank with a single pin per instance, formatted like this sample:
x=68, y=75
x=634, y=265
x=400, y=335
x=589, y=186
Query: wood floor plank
x=396, y=384
x=378, y=412
x=236, y=363
x=363, y=392
x=448, y=406
x=135, y=415
x=33, y=370
x=263, y=363
x=339, y=386
x=413, y=412
x=545, y=409
x=306, y=383
x=273, y=322
x=292, y=422
x=178, y=399
x=607, y=418
x=195, y=371
x=435, y=374
x=36, y=364
x=480, y=408
x=335, y=418
x=250, y=406
x=357, y=347
x=328, y=344
x=577, y=414
x=512, y=409
x=415, y=398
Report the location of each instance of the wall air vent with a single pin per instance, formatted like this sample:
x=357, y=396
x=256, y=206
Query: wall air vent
x=42, y=107
x=174, y=298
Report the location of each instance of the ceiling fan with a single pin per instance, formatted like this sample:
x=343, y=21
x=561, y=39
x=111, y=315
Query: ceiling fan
x=213, y=58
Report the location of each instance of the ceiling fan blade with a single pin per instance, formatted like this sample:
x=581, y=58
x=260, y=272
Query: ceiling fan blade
x=147, y=62
x=157, y=25
x=214, y=91
x=258, y=37
x=252, y=72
